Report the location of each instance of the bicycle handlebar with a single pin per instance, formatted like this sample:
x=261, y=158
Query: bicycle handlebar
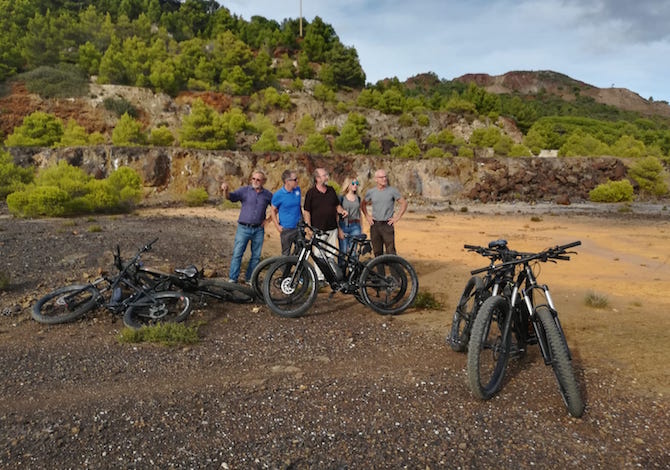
x=513, y=258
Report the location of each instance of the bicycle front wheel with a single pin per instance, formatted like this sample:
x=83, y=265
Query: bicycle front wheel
x=389, y=284
x=290, y=288
x=465, y=313
x=561, y=363
x=488, y=351
x=159, y=307
x=65, y=304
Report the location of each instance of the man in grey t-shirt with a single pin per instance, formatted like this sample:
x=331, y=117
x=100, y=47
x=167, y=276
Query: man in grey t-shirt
x=383, y=198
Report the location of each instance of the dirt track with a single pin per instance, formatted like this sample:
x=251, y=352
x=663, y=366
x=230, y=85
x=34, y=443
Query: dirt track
x=341, y=387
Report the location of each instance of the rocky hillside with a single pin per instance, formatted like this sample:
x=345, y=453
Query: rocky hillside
x=533, y=83
x=169, y=172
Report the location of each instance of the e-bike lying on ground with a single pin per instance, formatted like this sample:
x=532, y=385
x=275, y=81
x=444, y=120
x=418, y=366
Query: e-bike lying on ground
x=125, y=293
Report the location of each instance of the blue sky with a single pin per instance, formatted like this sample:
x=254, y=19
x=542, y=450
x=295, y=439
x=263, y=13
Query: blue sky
x=621, y=43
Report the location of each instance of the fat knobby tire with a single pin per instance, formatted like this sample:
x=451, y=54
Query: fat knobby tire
x=488, y=348
x=65, y=304
x=561, y=363
x=466, y=312
x=285, y=300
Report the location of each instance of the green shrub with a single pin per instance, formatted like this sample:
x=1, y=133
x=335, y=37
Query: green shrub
x=434, y=152
x=66, y=190
x=267, y=142
x=612, y=191
x=120, y=106
x=12, y=177
x=405, y=120
x=63, y=82
x=38, y=129
x=427, y=301
x=330, y=130
x=36, y=201
x=444, y=137
x=74, y=135
x=350, y=139
x=305, y=125
x=324, y=93
x=650, y=175
x=465, y=151
x=128, y=132
x=168, y=334
x=519, y=150
x=196, y=197
x=423, y=120
x=161, y=136
x=595, y=300
x=374, y=148
x=260, y=123
x=409, y=150
x=316, y=143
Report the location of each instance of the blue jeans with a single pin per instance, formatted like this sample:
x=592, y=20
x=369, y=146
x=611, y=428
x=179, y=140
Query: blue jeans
x=243, y=236
x=351, y=229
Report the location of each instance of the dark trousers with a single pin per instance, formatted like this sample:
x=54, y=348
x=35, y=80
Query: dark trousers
x=382, y=236
x=288, y=236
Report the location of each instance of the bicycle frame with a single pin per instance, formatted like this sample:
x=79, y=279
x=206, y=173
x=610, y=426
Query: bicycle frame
x=320, y=251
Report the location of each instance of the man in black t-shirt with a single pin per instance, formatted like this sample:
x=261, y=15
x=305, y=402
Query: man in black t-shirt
x=321, y=208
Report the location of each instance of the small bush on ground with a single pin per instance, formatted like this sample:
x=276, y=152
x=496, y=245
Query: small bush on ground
x=12, y=177
x=168, y=334
x=650, y=175
x=427, y=301
x=196, y=197
x=38, y=129
x=161, y=136
x=120, y=106
x=66, y=190
x=66, y=81
x=612, y=191
x=595, y=300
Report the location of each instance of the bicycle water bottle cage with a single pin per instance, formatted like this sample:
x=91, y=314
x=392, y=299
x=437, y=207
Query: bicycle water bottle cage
x=498, y=244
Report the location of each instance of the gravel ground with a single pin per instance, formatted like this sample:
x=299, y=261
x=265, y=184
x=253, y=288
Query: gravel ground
x=341, y=387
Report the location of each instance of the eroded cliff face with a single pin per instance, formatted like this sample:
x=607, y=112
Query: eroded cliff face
x=169, y=172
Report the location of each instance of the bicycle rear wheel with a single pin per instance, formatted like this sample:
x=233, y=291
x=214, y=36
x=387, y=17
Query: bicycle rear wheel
x=488, y=351
x=465, y=313
x=227, y=291
x=259, y=274
x=561, y=363
x=159, y=307
x=290, y=288
x=389, y=284
x=65, y=304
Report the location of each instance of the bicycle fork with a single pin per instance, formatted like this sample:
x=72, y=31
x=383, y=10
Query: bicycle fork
x=537, y=325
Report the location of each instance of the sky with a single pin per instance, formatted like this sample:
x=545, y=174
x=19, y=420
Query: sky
x=605, y=43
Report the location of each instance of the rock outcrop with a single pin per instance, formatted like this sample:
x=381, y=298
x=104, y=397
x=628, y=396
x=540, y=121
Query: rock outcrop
x=169, y=172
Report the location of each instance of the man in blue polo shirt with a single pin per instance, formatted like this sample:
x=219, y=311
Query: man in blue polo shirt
x=286, y=211
x=250, y=224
